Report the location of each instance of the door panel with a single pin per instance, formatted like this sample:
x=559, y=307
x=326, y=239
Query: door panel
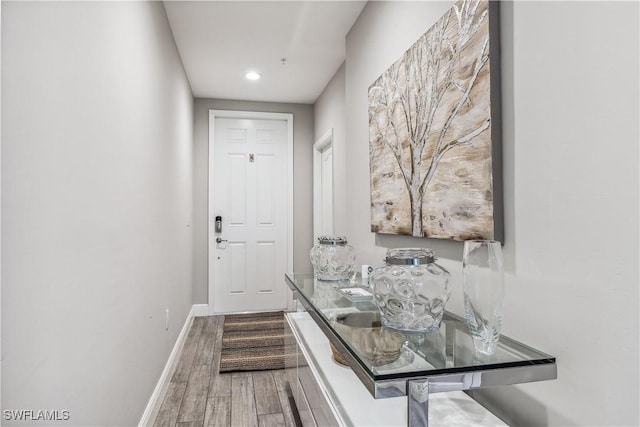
x=265, y=259
x=265, y=180
x=237, y=136
x=237, y=179
x=264, y=136
x=237, y=267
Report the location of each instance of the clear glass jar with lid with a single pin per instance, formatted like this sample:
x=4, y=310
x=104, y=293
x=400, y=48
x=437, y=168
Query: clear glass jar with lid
x=411, y=290
x=332, y=258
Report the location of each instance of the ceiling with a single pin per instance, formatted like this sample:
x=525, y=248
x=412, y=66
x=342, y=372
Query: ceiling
x=220, y=41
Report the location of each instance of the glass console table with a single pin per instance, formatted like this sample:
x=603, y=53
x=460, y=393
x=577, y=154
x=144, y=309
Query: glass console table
x=390, y=363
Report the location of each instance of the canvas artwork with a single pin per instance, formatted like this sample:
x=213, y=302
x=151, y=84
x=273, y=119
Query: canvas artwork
x=433, y=141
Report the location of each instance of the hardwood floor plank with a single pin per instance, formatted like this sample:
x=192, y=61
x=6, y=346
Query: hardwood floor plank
x=271, y=420
x=243, y=407
x=280, y=378
x=190, y=424
x=267, y=401
x=196, y=327
x=240, y=374
x=215, y=364
x=183, y=370
x=218, y=412
x=185, y=363
x=205, y=350
x=211, y=325
x=220, y=385
x=168, y=413
x=194, y=402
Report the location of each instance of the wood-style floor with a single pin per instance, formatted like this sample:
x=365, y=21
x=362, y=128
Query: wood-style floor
x=199, y=396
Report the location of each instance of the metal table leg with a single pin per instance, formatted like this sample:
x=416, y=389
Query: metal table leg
x=418, y=402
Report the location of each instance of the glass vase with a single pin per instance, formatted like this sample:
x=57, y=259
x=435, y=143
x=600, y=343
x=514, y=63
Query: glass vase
x=411, y=290
x=483, y=286
x=332, y=258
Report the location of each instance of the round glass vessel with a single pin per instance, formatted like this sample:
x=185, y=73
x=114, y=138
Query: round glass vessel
x=411, y=290
x=332, y=258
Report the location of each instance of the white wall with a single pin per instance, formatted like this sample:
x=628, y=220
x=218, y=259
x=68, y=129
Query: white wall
x=302, y=182
x=0, y=217
x=97, y=119
x=570, y=152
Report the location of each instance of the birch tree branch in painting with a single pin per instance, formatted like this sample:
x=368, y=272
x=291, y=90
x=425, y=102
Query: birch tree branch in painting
x=406, y=100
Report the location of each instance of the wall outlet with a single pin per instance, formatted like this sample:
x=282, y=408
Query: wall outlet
x=166, y=320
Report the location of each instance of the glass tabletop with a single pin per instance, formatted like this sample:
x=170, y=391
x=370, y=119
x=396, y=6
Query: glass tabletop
x=347, y=308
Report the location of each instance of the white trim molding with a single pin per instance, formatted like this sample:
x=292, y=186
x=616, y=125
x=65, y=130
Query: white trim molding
x=200, y=310
x=319, y=146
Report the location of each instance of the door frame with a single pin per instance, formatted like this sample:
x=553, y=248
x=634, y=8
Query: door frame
x=232, y=114
x=319, y=146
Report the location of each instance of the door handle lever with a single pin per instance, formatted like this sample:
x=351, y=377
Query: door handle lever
x=220, y=240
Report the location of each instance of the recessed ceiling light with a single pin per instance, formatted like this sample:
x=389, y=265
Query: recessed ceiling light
x=252, y=75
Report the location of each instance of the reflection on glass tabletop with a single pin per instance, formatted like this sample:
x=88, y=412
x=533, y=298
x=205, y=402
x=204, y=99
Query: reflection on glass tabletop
x=348, y=309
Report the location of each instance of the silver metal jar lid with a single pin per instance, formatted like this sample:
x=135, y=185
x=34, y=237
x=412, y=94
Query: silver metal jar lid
x=332, y=240
x=410, y=256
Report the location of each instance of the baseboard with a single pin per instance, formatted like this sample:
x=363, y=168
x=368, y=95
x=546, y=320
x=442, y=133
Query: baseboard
x=153, y=406
x=200, y=310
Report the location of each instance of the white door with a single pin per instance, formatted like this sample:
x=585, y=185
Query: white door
x=250, y=195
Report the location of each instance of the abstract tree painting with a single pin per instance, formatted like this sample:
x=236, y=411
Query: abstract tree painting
x=432, y=132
